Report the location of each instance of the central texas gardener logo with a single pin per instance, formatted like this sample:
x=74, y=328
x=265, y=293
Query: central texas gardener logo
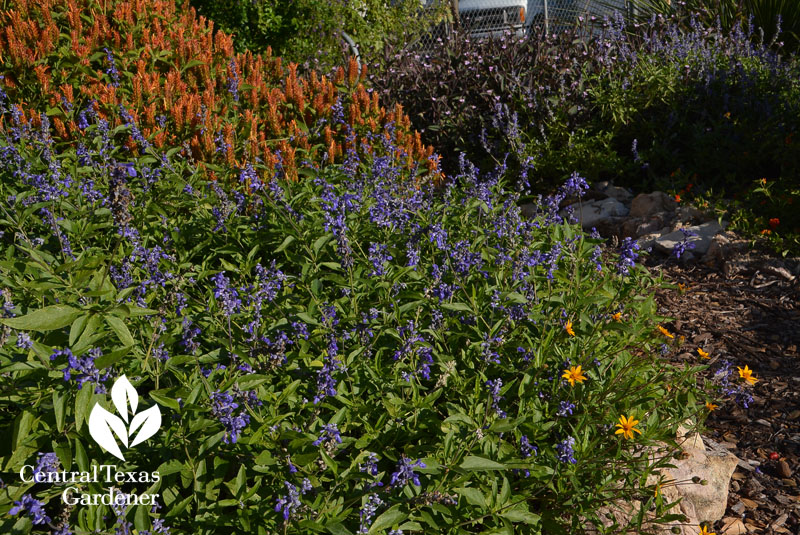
x=103, y=425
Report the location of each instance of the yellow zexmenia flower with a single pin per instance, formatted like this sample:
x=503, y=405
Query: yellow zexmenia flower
x=704, y=531
x=702, y=353
x=747, y=374
x=574, y=374
x=626, y=427
x=568, y=328
x=710, y=406
x=665, y=332
x=617, y=316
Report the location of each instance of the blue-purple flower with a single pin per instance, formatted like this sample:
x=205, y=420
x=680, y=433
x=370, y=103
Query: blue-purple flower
x=627, y=256
x=405, y=472
x=83, y=369
x=32, y=507
x=330, y=433
x=494, y=386
x=379, y=258
x=565, y=451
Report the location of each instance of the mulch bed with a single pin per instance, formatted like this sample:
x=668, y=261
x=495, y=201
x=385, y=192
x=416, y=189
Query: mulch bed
x=747, y=311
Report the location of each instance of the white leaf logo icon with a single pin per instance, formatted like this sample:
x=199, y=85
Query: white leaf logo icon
x=123, y=393
x=150, y=420
x=102, y=422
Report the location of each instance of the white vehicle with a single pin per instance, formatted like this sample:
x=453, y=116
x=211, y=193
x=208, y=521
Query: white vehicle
x=483, y=18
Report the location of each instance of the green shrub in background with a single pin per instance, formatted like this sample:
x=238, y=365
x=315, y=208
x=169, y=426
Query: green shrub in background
x=349, y=353
x=309, y=32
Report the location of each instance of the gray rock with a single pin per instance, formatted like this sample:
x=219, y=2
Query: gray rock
x=723, y=247
x=689, y=214
x=595, y=212
x=615, y=192
x=648, y=204
x=702, y=240
x=640, y=226
x=647, y=241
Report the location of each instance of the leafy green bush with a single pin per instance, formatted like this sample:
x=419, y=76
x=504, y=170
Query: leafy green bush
x=688, y=102
x=348, y=353
x=309, y=32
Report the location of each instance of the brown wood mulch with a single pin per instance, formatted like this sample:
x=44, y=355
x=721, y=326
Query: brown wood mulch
x=747, y=311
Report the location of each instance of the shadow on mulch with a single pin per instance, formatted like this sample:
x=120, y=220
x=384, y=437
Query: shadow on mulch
x=748, y=312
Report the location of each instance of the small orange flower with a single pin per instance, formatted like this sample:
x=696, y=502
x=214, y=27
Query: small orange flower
x=702, y=353
x=710, y=406
x=665, y=332
x=774, y=222
x=626, y=427
x=568, y=328
x=574, y=374
x=763, y=181
x=727, y=115
x=677, y=197
x=617, y=316
x=747, y=374
x=681, y=287
x=766, y=231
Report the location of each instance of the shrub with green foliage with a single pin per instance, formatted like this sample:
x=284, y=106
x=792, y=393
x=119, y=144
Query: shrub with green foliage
x=309, y=32
x=655, y=105
x=351, y=353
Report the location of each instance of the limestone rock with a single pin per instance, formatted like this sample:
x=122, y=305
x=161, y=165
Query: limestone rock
x=635, y=227
x=724, y=246
x=701, y=462
x=592, y=213
x=712, y=464
x=648, y=204
x=687, y=213
x=702, y=240
x=615, y=192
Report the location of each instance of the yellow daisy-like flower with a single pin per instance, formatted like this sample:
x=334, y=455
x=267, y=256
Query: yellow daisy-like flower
x=710, y=406
x=568, y=328
x=682, y=287
x=704, y=531
x=617, y=316
x=626, y=427
x=702, y=353
x=747, y=374
x=574, y=374
x=665, y=332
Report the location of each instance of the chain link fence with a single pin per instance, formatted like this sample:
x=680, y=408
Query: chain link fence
x=485, y=18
